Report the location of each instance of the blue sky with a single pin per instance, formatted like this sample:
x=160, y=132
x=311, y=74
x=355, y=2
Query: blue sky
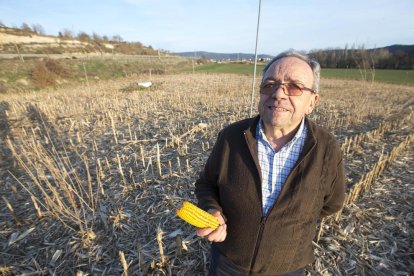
x=227, y=26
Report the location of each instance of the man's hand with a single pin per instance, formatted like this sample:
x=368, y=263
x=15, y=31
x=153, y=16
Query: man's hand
x=217, y=235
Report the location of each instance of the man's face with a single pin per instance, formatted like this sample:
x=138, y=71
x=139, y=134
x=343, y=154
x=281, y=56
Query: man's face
x=278, y=110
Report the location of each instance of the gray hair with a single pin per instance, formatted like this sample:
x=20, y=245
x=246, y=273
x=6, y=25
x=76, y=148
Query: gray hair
x=314, y=65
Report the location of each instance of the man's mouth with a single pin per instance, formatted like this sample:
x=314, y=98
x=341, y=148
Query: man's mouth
x=275, y=108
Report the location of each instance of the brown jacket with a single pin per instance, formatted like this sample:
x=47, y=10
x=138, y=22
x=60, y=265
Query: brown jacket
x=281, y=241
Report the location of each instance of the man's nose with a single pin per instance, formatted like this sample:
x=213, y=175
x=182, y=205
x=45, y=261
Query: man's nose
x=279, y=92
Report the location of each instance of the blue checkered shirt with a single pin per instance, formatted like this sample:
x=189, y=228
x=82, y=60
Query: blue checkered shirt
x=276, y=166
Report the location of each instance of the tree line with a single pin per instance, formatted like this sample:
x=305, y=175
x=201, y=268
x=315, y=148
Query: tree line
x=392, y=57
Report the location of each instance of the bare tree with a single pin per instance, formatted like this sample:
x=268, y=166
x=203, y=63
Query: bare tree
x=25, y=28
x=37, y=28
x=82, y=36
x=96, y=37
x=66, y=33
x=117, y=38
x=365, y=63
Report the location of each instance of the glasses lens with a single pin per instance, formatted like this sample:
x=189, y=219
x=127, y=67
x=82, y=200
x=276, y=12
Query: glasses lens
x=290, y=89
x=294, y=89
x=268, y=88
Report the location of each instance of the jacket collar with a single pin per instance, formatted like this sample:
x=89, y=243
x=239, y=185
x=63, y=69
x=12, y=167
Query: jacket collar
x=311, y=140
x=250, y=135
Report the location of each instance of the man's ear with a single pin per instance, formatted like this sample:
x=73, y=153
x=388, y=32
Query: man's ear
x=313, y=100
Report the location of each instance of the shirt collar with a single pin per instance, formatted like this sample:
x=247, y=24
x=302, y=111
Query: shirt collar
x=260, y=131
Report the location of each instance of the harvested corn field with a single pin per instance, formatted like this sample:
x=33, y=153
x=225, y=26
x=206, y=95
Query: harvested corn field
x=92, y=176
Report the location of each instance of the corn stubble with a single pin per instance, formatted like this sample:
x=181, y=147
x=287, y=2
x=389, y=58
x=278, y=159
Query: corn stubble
x=92, y=176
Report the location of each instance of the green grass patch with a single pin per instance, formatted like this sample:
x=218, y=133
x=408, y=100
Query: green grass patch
x=12, y=70
x=95, y=68
x=104, y=69
x=389, y=76
x=232, y=68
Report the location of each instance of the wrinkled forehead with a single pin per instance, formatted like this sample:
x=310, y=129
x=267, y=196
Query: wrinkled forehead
x=290, y=69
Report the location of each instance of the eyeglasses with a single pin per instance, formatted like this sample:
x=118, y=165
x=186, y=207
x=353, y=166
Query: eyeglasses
x=289, y=88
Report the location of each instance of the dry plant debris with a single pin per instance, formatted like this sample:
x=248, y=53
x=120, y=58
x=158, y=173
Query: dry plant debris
x=91, y=177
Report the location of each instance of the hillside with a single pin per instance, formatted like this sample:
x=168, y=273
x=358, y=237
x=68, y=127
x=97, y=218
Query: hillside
x=41, y=61
x=18, y=41
x=397, y=48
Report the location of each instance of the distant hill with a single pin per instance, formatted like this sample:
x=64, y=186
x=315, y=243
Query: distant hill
x=397, y=47
x=221, y=56
x=321, y=54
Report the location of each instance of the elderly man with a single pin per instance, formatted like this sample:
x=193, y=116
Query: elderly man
x=270, y=178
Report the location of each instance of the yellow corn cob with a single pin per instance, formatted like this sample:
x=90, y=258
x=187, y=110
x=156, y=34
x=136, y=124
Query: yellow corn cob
x=196, y=216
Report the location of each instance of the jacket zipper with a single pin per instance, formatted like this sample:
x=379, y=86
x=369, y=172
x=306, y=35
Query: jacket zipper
x=264, y=218
x=258, y=241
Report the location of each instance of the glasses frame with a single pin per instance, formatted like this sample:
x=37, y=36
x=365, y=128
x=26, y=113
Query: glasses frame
x=277, y=84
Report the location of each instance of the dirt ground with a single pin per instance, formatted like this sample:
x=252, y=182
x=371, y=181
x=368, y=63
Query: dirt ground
x=375, y=236
x=91, y=175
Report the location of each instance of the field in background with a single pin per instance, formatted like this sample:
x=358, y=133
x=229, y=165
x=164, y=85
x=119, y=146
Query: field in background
x=36, y=73
x=405, y=77
x=62, y=70
x=231, y=68
x=91, y=175
x=388, y=76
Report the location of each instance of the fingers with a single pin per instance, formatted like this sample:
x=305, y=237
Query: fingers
x=217, y=235
x=203, y=232
x=218, y=215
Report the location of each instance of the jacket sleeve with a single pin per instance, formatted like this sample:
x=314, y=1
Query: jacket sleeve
x=206, y=186
x=335, y=196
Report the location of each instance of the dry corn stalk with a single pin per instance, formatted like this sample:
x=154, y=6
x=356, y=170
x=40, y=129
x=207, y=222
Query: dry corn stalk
x=196, y=216
x=123, y=262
